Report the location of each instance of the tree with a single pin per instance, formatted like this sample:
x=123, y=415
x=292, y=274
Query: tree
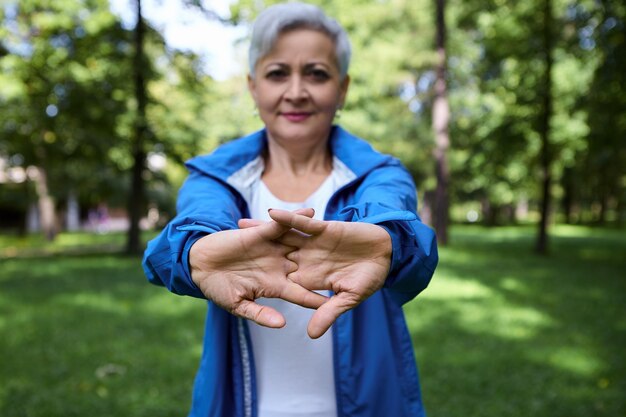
x=140, y=130
x=603, y=167
x=65, y=91
x=545, y=118
x=441, y=119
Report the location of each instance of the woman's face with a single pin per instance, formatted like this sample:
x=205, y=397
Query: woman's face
x=297, y=86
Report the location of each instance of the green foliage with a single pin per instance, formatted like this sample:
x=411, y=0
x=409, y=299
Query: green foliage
x=495, y=129
x=67, y=77
x=496, y=334
x=68, y=93
x=67, y=103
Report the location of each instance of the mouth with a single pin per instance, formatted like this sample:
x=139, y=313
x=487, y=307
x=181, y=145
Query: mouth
x=296, y=116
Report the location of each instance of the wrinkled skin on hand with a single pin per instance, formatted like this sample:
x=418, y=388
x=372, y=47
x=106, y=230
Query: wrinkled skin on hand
x=350, y=259
x=235, y=267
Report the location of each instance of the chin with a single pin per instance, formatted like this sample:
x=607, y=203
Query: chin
x=300, y=132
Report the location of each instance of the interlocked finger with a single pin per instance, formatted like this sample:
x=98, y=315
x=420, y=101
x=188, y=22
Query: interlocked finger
x=298, y=222
x=293, y=238
x=271, y=230
x=290, y=266
x=246, y=223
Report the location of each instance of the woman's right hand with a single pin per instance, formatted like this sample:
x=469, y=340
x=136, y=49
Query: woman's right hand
x=232, y=268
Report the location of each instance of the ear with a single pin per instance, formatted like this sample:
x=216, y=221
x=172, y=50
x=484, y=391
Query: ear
x=252, y=87
x=343, y=90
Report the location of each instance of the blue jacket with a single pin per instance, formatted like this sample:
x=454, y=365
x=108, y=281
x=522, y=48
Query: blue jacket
x=374, y=365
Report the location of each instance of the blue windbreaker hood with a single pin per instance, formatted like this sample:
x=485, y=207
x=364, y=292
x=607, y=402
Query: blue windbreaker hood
x=355, y=153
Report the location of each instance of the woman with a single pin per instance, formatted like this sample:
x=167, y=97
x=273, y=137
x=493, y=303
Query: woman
x=305, y=242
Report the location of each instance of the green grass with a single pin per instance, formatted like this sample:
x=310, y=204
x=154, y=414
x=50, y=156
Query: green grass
x=500, y=332
x=87, y=336
x=14, y=245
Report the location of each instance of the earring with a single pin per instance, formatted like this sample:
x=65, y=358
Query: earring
x=255, y=112
x=338, y=113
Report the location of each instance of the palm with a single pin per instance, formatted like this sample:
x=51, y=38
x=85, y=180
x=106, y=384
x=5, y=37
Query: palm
x=350, y=259
x=233, y=268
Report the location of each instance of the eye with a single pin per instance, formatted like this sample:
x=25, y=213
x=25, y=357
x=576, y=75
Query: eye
x=276, y=74
x=319, y=75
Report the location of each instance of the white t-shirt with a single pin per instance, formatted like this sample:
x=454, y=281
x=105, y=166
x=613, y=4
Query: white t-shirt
x=294, y=373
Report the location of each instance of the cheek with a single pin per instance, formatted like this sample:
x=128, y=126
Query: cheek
x=267, y=98
x=330, y=101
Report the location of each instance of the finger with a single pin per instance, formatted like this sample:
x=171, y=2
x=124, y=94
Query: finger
x=272, y=230
x=299, y=222
x=262, y=315
x=308, y=212
x=296, y=294
x=247, y=223
x=290, y=267
x=326, y=314
x=293, y=238
x=308, y=279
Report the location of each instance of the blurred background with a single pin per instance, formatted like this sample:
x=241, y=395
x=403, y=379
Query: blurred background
x=511, y=117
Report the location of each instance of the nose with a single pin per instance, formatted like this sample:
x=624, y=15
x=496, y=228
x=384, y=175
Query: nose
x=296, y=89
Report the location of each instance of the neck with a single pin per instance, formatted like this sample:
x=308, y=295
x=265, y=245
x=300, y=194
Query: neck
x=298, y=159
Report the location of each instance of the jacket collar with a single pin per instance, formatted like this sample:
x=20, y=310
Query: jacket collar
x=355, y=153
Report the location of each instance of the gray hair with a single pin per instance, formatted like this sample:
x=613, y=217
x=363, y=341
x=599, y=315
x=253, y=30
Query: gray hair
x=288, y=16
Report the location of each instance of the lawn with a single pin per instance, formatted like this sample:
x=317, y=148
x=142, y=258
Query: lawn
x=500, y=331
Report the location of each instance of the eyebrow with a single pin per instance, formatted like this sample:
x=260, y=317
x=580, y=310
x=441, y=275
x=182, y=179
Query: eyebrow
x=307, y=65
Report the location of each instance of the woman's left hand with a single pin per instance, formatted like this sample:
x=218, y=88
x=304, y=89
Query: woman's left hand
x=350, y=259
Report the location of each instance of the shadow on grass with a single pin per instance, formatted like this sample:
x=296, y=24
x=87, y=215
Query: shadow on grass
x=88, y=336
x=502, y=332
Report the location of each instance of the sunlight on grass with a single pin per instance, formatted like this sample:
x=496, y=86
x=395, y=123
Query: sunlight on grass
x=36, y=245
x=534, y=336
x=452, y=287
x=107, y=303
x=163, y=303
x=504, y=320
x=500, y=332
x=478, y=310
x=576, y=360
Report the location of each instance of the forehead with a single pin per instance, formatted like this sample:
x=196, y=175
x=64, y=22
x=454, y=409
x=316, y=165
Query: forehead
x=298, y=45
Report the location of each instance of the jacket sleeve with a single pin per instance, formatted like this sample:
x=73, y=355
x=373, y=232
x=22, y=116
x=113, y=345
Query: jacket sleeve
x=387, y=197
x=205, y=205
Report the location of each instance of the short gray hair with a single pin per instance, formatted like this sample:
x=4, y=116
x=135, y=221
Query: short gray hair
x=282, y=17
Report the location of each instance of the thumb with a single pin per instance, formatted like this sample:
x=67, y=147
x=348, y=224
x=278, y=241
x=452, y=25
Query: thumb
x=262, y=315
x=328, y=312
x=247, y=223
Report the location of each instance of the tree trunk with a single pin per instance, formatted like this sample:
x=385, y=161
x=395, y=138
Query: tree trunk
x=441, y=118
x=426, y=207
x=621, y=211
x=568, y=194
x=544, y=131
x=72, y=214
x=45, y=203
x=136, y=197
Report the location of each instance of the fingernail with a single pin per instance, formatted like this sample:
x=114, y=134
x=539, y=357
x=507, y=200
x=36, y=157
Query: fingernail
x=269, y=209
x=276, y=321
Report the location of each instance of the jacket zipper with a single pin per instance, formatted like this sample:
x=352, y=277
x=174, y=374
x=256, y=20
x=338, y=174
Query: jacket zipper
x=247, y=372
